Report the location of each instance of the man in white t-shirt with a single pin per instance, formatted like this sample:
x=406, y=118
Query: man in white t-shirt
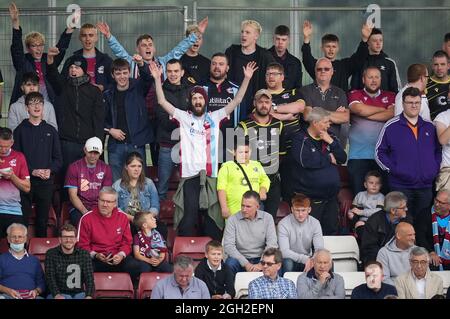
x=442, y=123
x=199, y=146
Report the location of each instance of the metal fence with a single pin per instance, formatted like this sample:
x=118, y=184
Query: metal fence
x=165, y=24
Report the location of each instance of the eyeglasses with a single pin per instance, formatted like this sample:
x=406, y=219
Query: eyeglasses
x=323, y=69
x=68, y=237
x=17, y=237
x=266, y=263
x=273, y=74
x=104, y=201
x=437, y=201
x=404, y=208
x=412, y=103
x=419, y=262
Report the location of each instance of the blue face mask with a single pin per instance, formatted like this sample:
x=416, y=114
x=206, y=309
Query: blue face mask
x=17, y=247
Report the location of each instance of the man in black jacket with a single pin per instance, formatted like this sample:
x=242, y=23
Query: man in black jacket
x=292, y=66
x=343, y=68
x=80, y=109
x=39, y=142
x=380, y=227
x=215, y=273
x=35, y=60
x=241, y=54
x=176, y=89
x=390, y=79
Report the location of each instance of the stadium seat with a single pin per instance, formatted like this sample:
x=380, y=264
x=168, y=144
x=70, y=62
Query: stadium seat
x=352, y=279
x=113, y=285
x=283, y=211
x=242, y=280
x=64, y=217
x=174, y=179
x=345, y=198
x=147, y=282
x=166, y=211
x=445, y=275
x=39, y=246
x=292, y=275
x=153, y=173
x=52, y=223
x=4, y=245
x=345, y=252
x=193, y=247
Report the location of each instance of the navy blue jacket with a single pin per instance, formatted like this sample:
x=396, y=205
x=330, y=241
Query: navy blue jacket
x=24, y=62
x=313, y=174
x=410, y=163
x=292, y=69
x=102, y=68
x=135, y=109
x=40, y=145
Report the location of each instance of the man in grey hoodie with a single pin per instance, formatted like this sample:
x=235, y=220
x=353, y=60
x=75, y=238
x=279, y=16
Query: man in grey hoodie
x=394, y=256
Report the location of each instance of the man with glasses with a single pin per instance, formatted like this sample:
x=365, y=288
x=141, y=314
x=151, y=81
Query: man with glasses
x=39, y=142
x=408, y=150
x=419, y=282
x=105, y=233
x=21, y=275
x=380, y=227
x=271, y=285
x=85, y=178
x=68, y=269
x=433, y=231
x=328, y=96
x=394, y=255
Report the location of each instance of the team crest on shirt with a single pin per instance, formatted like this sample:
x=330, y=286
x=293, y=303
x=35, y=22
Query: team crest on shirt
x=313, y=149
x=384, y=99
x=119, y=230
x=365, y=98
x=13, y=162
x=100, y=175
x=285, y=96
x=230, y=90
x=383, y=68
x=101, y=69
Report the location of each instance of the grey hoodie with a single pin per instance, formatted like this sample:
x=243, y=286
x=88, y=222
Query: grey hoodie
x=395, y=261
x=18, y=112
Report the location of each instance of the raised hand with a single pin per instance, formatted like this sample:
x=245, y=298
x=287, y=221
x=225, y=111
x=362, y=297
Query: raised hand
x=202, y=25
x=138, y=59
x=51, y=53
x=249, y=69
x=155, y=70
x=307, y=31
x=103, y=27
x=366, y=31
x=14, y=13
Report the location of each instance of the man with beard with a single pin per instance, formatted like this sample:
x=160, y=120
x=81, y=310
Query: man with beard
x=199, y=141
x=437, y=89
x=220, y=92
x=265, y=136
x=370, y=108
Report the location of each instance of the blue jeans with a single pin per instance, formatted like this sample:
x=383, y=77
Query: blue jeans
x=290, y=265
x=236, y=267
x=80, y=295
x=117, y=155
x=165, y=168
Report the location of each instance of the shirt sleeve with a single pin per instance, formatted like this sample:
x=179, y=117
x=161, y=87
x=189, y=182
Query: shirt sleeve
x=71, y=177
x=22, y=168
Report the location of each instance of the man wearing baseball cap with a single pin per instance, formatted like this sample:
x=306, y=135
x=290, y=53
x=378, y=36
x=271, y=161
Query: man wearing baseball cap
x=85, y=178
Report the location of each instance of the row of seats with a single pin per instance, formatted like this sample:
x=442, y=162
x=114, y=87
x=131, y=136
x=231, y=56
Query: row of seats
x=352, y=279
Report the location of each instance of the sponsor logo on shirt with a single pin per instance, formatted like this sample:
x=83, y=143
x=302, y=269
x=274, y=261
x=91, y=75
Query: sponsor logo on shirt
x=13, y=162
x=101, y=69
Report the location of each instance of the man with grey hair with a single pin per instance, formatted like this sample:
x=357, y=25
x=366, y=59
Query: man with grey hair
x=328, y=96
x=380, y=227
x=105, y=233
x=182, y=284
x=247, y=234
x=394, y=255
x=320, y=282
x=419, y=282
x=21, y=275
x=316, y=154
x=271, y=285
x=433, y=231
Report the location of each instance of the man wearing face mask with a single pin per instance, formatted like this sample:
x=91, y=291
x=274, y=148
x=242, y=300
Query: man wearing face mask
x=380, y=227
x=374, y=288
x=21, y=275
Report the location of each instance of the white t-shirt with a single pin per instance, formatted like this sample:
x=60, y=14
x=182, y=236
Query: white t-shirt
x=199, y=141
x=444, y=119
x=424, y=108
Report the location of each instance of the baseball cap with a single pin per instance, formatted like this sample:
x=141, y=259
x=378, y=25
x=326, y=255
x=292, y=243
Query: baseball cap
x=262, y=92
x=94, y=144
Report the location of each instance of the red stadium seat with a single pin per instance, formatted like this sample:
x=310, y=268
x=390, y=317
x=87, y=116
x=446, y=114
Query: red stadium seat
x=52, y=223
x=283, y=211
x=174, y=179
x=113, y=285
x=64, y=218
x=148, y=281
x=39, y=246
x=345, y=199
x=193, y=247
x=166, y=211
x=4, y=245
